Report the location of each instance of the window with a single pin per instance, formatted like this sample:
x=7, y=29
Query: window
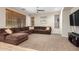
x=56, y=21
x=14, y=19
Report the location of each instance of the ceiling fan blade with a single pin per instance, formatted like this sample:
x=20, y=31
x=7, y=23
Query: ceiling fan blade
x=40, y=10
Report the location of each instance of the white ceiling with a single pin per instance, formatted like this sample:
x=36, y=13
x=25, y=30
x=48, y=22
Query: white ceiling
x=33, y=10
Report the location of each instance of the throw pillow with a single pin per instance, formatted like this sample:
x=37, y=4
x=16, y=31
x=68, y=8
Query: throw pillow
x=31, y=28
x=8, y=31
x=47, y=28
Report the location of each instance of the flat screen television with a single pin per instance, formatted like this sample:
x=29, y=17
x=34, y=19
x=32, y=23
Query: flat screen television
x=71, y=20
x=74, y=19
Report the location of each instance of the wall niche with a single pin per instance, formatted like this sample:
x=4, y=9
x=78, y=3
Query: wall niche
x=15, y=19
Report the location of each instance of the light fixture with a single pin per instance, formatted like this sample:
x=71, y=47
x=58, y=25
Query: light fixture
x=39, y=10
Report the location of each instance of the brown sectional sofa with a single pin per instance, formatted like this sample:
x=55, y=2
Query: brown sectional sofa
x=16, y=38
x=42, y=30
x=24, y=29
x=21, y=34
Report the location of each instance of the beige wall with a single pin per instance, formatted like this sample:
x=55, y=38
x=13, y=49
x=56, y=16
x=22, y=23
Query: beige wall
x=65, y=23
x=66, y=28
x=3, y=16
x=49, y=21
x=28, y=20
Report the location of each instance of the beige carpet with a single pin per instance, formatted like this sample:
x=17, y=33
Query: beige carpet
x=43, y=42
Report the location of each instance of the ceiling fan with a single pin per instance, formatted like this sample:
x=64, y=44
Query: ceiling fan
x=39, y=10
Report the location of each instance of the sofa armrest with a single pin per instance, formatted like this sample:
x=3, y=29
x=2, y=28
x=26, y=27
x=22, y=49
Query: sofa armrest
x=3, y=36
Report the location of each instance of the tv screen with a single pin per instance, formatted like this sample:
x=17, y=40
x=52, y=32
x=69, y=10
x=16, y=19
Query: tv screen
x=71, y=20
x=77, y=18
x=74, y=19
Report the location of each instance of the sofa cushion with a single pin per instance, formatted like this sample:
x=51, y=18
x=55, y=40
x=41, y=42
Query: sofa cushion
x=16, y=36
x=47, y=28
x=31, y=28
x=26, y=31
x=8, y=31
